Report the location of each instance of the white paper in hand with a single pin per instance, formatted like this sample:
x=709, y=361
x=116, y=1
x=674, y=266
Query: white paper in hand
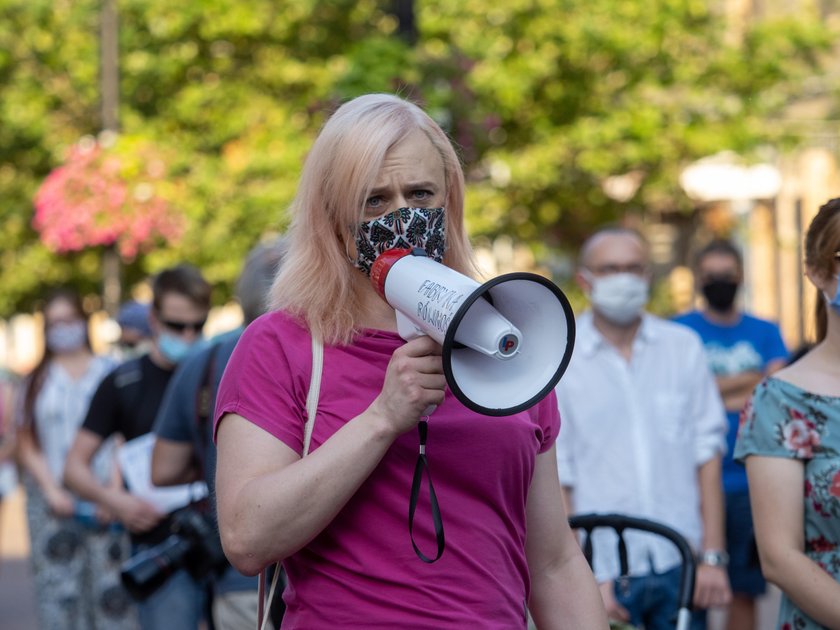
x=135, y=460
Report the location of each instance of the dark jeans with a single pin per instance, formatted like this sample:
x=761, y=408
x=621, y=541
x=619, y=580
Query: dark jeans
x=651, y=601
x=744, y=568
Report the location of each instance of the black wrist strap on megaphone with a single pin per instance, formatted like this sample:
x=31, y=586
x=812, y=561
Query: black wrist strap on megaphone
x=422, y=463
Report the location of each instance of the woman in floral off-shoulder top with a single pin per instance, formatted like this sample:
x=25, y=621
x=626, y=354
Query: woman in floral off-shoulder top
x=790, y=441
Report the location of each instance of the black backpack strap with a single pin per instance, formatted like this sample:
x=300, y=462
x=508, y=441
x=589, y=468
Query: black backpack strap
x=205, y=396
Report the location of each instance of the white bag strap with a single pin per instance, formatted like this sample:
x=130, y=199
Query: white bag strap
x=311, y=410
x=314, y=391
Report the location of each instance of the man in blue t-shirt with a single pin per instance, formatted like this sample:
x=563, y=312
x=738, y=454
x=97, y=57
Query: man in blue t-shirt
x=741, y=350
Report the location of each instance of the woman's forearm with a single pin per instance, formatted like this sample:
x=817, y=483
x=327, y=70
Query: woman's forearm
x=810, y=587
x=567, y=598
x=33, y=461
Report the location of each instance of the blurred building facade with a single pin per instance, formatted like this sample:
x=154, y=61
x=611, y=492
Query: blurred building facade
x=768, y=225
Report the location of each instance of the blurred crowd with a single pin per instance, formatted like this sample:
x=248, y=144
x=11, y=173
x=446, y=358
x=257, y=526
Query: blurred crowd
x=122, y=527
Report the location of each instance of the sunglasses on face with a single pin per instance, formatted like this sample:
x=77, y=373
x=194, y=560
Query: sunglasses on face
x=181, y=327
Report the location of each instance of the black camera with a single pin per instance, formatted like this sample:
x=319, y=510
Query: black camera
x=193, y=545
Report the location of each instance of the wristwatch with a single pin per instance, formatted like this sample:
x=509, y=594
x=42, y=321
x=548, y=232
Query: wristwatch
x=714, y=558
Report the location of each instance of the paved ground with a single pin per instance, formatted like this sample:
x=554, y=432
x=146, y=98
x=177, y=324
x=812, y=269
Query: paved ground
x=17, y=593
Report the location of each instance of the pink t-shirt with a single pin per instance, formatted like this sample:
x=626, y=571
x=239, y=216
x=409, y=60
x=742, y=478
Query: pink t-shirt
x=361, y=571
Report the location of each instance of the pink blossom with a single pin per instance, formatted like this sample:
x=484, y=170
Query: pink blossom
x=801, y=438
x=746, y=413
x=820, y=543
x=89, y=201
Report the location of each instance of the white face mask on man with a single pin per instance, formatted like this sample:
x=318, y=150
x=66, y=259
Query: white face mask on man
x=619, y=298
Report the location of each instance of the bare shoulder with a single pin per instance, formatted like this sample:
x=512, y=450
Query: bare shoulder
x=812, y=373
x=795, y=373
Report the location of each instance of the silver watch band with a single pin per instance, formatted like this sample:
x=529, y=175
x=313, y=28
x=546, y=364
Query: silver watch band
x=714, y=558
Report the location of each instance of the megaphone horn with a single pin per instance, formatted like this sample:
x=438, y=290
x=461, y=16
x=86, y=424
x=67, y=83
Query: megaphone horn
x=506, y=343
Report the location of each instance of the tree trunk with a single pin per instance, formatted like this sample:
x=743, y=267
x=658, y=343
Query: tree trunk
x=111, y=285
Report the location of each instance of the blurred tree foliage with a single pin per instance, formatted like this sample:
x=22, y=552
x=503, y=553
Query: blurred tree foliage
x=547, y=99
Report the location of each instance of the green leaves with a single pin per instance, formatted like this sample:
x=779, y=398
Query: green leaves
x=583, y=92
x=552, y=103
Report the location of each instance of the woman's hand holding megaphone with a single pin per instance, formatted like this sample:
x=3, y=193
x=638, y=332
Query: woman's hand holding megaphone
x=414, y=384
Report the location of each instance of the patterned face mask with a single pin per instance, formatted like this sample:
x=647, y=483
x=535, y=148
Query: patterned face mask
x=405, y=228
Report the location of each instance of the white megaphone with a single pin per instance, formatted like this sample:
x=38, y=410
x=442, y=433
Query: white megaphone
x=506, y=342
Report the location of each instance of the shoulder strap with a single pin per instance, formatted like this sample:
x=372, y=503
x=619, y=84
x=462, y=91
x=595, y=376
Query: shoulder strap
x=314, y=391
x=311, y=410
x=205, y=396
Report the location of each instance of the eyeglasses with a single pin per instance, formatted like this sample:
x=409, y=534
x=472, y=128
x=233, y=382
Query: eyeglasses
x=181, y=327
x=608, y=270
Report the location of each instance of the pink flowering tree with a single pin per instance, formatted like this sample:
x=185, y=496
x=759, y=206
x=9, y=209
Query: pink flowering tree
x=111, y=194
x=107, y=196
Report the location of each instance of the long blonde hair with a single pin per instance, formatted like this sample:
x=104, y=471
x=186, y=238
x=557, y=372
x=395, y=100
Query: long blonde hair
x=317, y=283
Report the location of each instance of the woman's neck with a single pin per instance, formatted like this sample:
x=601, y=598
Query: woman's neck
x=819, y=370
x=80, y=354
x=376, y=312
x=75, y=362
x=827, y=352
x=832, y=337
x=379, y=316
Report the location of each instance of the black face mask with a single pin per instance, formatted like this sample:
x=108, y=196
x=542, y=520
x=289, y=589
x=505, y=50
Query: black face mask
x=720, y=294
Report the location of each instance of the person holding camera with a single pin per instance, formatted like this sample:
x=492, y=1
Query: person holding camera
x=382, y=172
x=126, y=404
x=184, y=449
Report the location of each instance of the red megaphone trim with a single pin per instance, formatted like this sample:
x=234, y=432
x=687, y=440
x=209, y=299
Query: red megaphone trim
x=382, y=265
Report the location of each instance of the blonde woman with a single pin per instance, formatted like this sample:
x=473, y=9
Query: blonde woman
x=380, y=174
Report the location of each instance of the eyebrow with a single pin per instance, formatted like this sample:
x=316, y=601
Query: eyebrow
x=409, y=186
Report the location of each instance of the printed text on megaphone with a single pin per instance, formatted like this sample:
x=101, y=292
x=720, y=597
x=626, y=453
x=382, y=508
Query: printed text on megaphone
x=439, y=305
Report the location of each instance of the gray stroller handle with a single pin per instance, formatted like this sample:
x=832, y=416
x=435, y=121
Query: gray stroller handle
x=620, y=522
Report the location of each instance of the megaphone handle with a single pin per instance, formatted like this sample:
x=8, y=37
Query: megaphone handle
x=422, y=463
x=406, y=328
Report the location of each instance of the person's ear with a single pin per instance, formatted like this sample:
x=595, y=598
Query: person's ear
x=817, y=277
x=583, y=281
